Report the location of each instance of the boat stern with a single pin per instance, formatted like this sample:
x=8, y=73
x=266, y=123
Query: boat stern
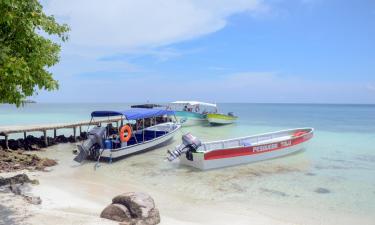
x=197, y=161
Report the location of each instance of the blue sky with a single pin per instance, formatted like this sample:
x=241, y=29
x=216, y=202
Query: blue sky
x=294, y=51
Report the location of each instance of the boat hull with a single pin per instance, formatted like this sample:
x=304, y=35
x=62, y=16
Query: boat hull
x=190, y=118
x=225, y=157
x=218, y=119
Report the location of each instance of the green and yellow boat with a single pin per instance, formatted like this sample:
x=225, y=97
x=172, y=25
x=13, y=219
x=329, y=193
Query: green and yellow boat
x=221, y=119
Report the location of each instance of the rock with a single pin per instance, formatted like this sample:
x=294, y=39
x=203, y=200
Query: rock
x=14, y=144
x=141, y=207
x=18, y=179
x=83, y=135
x=18, y=160
x=116, y=212
x=34, y=147
x=153, y=218
x=49, y=162
x=133, y=208
x=16, y=189
x=35, y=200
x=43, y=163
x=71, y=139
x=17, y=166
x=61, y=139
x=140, y=204
x=34, y=182
x=128, y=223
x=321, y=190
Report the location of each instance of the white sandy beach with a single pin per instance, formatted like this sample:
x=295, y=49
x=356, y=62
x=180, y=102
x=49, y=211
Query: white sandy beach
x=74, y=194
x=77, y=201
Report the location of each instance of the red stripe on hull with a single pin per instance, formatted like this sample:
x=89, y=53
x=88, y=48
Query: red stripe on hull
x=257, y=149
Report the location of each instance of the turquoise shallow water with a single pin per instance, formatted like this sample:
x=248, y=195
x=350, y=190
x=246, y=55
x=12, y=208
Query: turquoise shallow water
x=339, y=160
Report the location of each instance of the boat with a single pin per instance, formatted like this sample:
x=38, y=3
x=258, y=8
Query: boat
x=190, y=113
x=144, y=129
x=220, y=118
x=146, y=106
x=231, y=152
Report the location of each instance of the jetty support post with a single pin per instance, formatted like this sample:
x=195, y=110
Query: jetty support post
x=80, y=130
x=24, y=135
x=74, y=133
x=54, y=133
x=6, y=141
x=45, y=137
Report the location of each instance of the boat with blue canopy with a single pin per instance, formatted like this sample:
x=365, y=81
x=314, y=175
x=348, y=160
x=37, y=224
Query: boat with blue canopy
x=140, y=130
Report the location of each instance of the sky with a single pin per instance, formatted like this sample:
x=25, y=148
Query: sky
x=278, y=51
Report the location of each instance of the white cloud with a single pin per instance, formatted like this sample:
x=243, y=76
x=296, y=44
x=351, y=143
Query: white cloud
x=145, y=23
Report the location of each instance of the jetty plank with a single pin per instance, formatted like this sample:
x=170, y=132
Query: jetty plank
x=11, y=129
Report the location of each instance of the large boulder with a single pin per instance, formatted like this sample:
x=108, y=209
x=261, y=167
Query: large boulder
x=140, y=206
x=116, y=212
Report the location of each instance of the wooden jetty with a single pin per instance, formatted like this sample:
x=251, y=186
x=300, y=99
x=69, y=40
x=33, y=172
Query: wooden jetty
x=12, y=129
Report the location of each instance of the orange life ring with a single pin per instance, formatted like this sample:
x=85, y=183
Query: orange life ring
x=122, y=133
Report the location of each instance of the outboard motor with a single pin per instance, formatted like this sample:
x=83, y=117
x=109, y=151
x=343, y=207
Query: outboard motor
x=89, y=149
x=189, y=144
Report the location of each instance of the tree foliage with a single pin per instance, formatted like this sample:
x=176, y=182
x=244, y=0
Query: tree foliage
x=25, y=52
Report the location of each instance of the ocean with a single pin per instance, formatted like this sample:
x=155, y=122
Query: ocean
x=335, y=175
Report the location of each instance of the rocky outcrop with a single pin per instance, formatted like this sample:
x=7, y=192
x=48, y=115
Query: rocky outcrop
x=19, y=185
x=31, y=143
x=18, y=179
x=133, y=208
x=18, y=160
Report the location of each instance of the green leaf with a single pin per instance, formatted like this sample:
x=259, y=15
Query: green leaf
x=25, y=55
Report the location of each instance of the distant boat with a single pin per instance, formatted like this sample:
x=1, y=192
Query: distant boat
x=223, y=153
x=191, y=113
x=134, y=137
x=220, y=119
x=146, y=106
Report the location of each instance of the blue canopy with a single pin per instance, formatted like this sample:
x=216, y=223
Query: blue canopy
x=133, y=114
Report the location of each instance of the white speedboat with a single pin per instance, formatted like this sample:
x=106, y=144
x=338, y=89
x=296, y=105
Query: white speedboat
x=191, y=113
x=145, y=129
x=223, y=153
